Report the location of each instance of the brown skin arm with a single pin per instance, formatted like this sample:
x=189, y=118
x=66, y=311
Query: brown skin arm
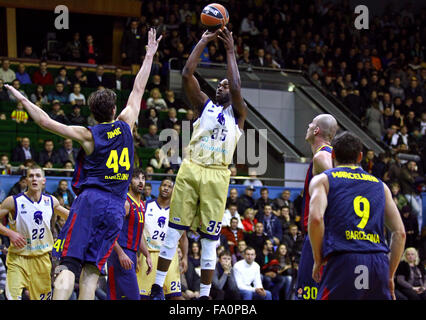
x=233, y=75
x=192, y=89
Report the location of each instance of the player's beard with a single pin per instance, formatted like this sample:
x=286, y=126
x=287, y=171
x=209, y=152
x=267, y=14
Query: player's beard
x=222, y=99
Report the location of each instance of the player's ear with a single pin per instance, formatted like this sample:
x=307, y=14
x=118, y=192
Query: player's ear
x=333, y=155
x=358, y=160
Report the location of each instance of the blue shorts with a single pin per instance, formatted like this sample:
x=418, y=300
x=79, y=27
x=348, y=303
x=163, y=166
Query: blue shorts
x=306, y=287
x=355, y=276
x=93, y=225
x=122, y=284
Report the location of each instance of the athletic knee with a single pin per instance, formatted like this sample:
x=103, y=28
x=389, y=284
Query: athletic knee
x=170, y=244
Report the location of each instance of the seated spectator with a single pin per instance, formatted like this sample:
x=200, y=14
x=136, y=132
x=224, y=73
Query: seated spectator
x=91, y=121
x=79, y=77
x=272, y=225
x=151, y=118
x=411, y=276
x=269, y=267
x=285, y=219
x=22, y=75
x=24, y=151
x=233, y=170
x=231, y=212
x=411, y=226
x=17, y=85
x=75, y=117
x=262, y=201
x=76, y=97
x=151, y=139
x=170, y=120
x=224, y=285
x=155, y=83
x=246, y=200
x=171, y=100
x=29, y=53
x=99, y=78
x=368, y=162
x=245, y=60
x=193, y=273
x=19, y=187
x=294, y=241
x=147, y=192
x=149, y=171
x=247, y=275
x=73, y=48
x=3, y=116
x=48, y=153
x=399, y=199
x=120, y=82
x=62, y=77
x=156, y=101
x=249, y=222
x=70, y=167
x=6, y=74
x=160, y=160
x=233, y=234
x=6, y=166
x=58, y=94
x=174, y=159
x=233, y=197
x=4, y=95
x=64, y=193
x=57, y=113
x=285, y=269
x=239, y=251
x=19, y=114
x=67, y=152
x=90, y=52
x=42, y=76
x=283, y=201
x=257, y=238
x=39, y=96
x=253, y=181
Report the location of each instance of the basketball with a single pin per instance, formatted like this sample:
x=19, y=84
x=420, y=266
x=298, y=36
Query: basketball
x=214, y=16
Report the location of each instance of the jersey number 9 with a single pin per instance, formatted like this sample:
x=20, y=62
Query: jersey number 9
x=362, y=210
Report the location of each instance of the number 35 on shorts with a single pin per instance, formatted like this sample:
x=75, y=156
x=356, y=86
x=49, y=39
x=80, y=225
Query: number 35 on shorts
x=214, y=225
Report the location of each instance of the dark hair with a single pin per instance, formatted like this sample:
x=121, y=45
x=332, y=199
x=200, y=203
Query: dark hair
x=137, y=172
x=264, y=189
x=234, y=218
x=346, y=147
x=102, y=103
x=249, y=248
x=166, y=179
x=148, y=185
x=225, y=253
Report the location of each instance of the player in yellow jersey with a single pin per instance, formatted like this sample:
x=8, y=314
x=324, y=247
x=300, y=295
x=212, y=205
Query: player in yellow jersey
x=201, y=187
x=28, y=260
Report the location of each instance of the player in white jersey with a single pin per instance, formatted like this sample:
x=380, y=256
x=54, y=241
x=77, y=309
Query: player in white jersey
x=202, y=182
x=154, y=233
x=28, y=260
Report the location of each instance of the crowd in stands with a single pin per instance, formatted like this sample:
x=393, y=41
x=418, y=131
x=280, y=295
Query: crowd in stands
x=379, y=75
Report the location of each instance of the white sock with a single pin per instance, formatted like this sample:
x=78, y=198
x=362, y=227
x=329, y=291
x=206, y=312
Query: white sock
x=205, y=289
x=160, y=276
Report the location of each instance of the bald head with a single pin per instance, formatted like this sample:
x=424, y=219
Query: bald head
x=327, y=125
x=322, y=126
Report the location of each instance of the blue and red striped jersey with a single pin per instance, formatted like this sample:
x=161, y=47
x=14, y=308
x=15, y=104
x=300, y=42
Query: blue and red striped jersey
x=109, y=167
x=131, y=232
x=306, y=197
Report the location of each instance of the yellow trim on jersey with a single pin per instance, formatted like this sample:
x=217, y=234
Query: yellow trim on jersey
x=324, y=145
x=350, y=167
x=134, y=200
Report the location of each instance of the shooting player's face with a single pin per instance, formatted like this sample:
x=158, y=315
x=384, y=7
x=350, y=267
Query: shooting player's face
x=222, y=92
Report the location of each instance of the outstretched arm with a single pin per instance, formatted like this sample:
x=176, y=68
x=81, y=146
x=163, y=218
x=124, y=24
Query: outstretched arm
x=131, y=113
x=233, y=75
x=78, y=133
x=192, y=89
x=60, y=210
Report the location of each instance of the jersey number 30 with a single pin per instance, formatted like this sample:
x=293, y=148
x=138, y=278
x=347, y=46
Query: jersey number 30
x=362, y=210
x=113, y=161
